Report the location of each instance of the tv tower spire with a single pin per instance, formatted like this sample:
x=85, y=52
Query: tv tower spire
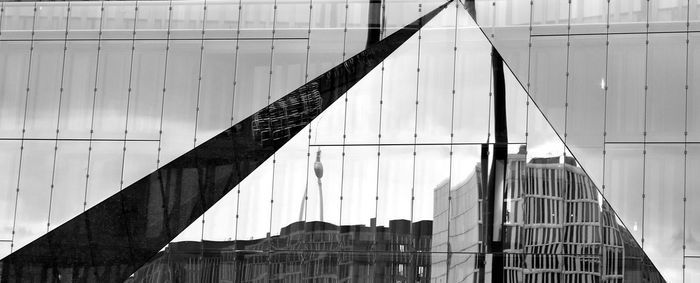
x=318, y=170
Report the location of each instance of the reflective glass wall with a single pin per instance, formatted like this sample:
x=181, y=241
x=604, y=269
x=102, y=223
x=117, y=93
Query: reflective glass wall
x=615, y=80
x=98, y=94
x=388, y=184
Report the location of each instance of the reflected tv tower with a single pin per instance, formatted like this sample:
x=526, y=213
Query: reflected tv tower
x=318, y=170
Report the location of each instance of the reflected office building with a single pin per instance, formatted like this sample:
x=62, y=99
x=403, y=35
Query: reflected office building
x=557, y=228
x=302, y=252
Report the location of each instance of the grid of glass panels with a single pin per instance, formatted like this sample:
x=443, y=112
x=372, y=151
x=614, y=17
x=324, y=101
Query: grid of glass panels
x=395, y=161
x=381, y=184
x=98, y=94
x=615, y=79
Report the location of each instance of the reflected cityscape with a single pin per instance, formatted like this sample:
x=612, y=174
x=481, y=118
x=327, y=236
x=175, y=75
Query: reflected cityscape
x=557, y=229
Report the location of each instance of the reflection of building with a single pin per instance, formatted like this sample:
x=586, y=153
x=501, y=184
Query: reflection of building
x=566, y=233
x=556, y=227
x=457, y=214
x=279, y=121
x=303, y=252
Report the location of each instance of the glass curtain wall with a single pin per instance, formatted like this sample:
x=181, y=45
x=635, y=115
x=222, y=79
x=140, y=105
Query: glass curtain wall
x=388, y=183
x=615, y=80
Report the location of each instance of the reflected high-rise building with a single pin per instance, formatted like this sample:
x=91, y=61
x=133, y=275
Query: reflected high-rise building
x=568, y=232
x=557, y=228
x=457, y=227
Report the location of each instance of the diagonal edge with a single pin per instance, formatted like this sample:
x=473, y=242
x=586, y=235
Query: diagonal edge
x=111, y=240
x=638, y=252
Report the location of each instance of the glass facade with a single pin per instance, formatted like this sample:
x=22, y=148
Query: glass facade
x=348, y=141
x=615, y=80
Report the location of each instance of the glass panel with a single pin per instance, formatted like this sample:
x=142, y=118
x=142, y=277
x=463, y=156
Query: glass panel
x=289, y=65
x=589, y=16
x=292, y=18
x=399, y=94
x=118, y=19
x=548, y=78
x=328, y=128
x=692, y=195
x=542, y=140
x=694, y=15
x=152, y=20
x=486, y=16
x=586, y=103
x=431, y=189
x=186, y=19
x=216, y=90
x=624, y=183
x=331, y=184
x=550, y=16
x=627, y=16
x=692, y=269
x=50, y=22
x=518, y=13
x=362, y=125
x=464, y=200
x=663, y=209
x=68, y=193
x=104, y=172
x=666, y=75
x=14, y=69
x=435, y=97
x=517, y=101
x=291, y=183
x=625, y=99
x=359, y=193
x=328, y=38
x=463, y=267
x=34, y=195
x=44, y=89
x=257, y=18
x=139, y=160
x=395, y=184
x=17, y=20
x=252, y=83
x=397, y=14
x=76, y=100
x=85, y=20
x=472, y=84
x=693, y=96
x=147, y=89
x=438, y=267
x=179, y=107
x=254, y=203
x=357, y=26
x=669, y=15
x=511, y=41
x=221, y=19
x=9, y=152
x=113, y=89
x=221, y=218
x=192, y=233
x=4, y=249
